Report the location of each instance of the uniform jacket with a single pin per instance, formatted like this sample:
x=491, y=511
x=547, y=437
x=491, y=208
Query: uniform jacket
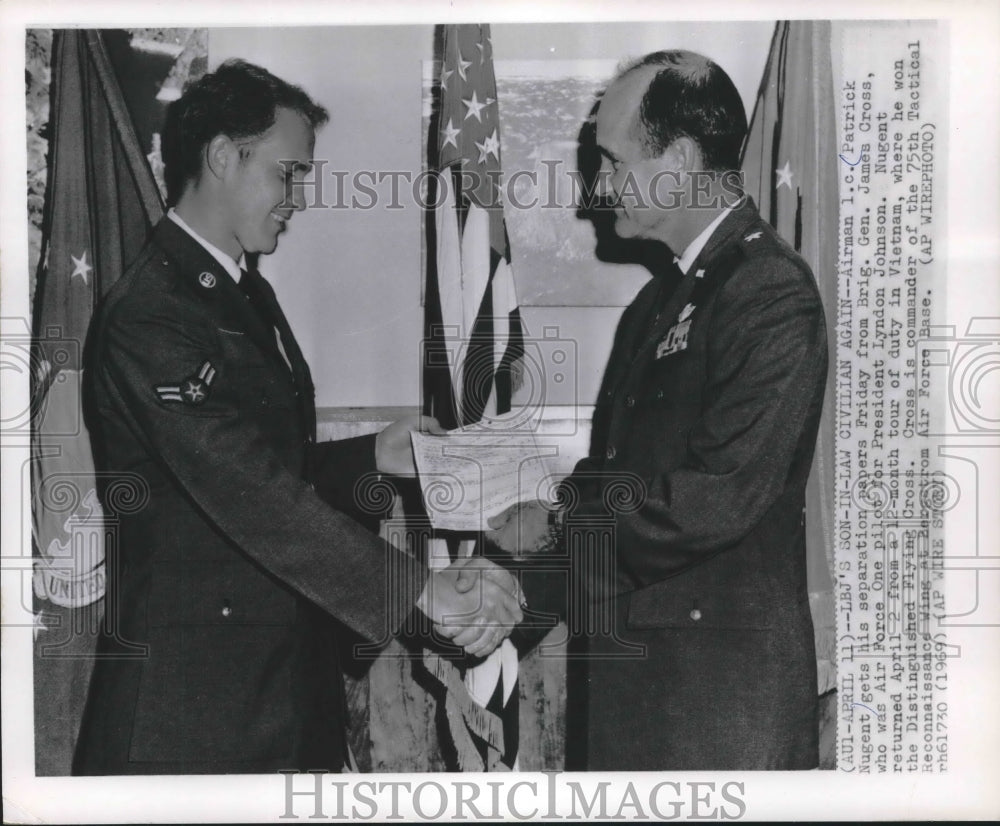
x=703, y=438
x=227, y=566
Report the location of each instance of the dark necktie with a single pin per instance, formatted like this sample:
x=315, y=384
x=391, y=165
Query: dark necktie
x=249, y=284
x=253, y=287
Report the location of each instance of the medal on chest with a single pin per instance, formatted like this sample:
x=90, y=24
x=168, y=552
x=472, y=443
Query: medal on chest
x=676, y=338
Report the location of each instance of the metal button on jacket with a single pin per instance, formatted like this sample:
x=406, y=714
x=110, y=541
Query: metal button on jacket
x=630, y=401
x=695, y=614
x=226, y=611
x=611, y=452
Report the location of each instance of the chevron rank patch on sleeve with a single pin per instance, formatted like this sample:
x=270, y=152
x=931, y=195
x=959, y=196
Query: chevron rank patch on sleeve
x=192, y=390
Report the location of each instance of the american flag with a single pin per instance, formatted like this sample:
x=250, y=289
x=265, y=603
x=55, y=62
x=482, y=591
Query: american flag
x=473, y=337
x=474, y=334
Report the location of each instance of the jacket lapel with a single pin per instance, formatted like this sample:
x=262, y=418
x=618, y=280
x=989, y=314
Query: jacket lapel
x=206, y=276
x=699, y=276
x=667, y=316
x=300, y=370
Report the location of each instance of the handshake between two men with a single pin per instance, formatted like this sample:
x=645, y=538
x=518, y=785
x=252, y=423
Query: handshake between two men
x=474, y=602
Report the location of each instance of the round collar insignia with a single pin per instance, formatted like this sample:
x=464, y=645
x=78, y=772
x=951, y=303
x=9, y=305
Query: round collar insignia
x=207, y=280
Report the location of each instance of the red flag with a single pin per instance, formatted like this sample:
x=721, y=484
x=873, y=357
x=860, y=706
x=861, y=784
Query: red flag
x=789, y=166
x=100, y=205
x=473, y=343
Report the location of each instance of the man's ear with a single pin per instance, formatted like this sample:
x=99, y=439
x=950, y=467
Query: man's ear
x=682, y=155
x=220, y=154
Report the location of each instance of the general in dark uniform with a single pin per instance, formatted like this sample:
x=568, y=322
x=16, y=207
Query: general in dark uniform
x=706, y=421
x=231, y=568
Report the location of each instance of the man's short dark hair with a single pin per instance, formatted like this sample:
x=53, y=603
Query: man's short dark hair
x=239, y=100
x=691, y=96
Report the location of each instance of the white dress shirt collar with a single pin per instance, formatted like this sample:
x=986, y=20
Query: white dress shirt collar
x=698, y=244
x=225, y=261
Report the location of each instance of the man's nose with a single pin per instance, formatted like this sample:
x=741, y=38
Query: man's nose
x=603, y=182
x=295, y=196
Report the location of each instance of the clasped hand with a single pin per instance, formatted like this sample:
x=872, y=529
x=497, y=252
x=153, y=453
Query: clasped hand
x=474, y=603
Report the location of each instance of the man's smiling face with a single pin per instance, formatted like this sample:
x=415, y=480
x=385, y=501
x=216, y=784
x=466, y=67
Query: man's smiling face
x=261, y=189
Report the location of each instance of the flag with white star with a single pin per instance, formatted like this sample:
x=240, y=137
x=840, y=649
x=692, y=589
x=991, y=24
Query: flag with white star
x=473, y=321
x=100, y=204
x=473, y=341
x=789, y=167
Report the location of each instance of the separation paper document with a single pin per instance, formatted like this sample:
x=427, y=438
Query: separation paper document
x=469, y=476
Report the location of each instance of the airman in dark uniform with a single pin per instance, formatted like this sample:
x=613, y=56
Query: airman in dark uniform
x=227, y=576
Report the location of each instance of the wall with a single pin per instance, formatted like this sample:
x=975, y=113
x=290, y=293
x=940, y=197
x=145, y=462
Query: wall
x=349, y=279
